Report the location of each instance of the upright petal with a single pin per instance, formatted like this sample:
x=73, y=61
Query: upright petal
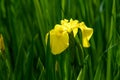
x=71, y=25
x=64, y=21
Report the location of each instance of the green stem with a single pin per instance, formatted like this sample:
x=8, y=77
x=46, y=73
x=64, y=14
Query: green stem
x=108, y=77
x=90, y=68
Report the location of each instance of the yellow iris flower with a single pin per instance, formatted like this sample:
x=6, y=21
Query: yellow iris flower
x=2, y=47
x=59, y=37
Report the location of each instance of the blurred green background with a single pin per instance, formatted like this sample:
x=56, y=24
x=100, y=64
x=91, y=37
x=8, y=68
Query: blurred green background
x=24, y=24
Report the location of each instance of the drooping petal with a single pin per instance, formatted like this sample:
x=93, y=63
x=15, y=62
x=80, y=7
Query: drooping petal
x=59, y=40
x=86, y=34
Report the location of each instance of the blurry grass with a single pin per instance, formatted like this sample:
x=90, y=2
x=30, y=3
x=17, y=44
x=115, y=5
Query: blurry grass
x=24, y=24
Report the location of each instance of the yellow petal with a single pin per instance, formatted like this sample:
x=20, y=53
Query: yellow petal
x=86, y=34
x=72, y=25
x=64, y=21
x=59, y=40
x=75, y=31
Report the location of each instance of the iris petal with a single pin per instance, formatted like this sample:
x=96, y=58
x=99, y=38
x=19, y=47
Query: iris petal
x=59, y=40
x=86, y=34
